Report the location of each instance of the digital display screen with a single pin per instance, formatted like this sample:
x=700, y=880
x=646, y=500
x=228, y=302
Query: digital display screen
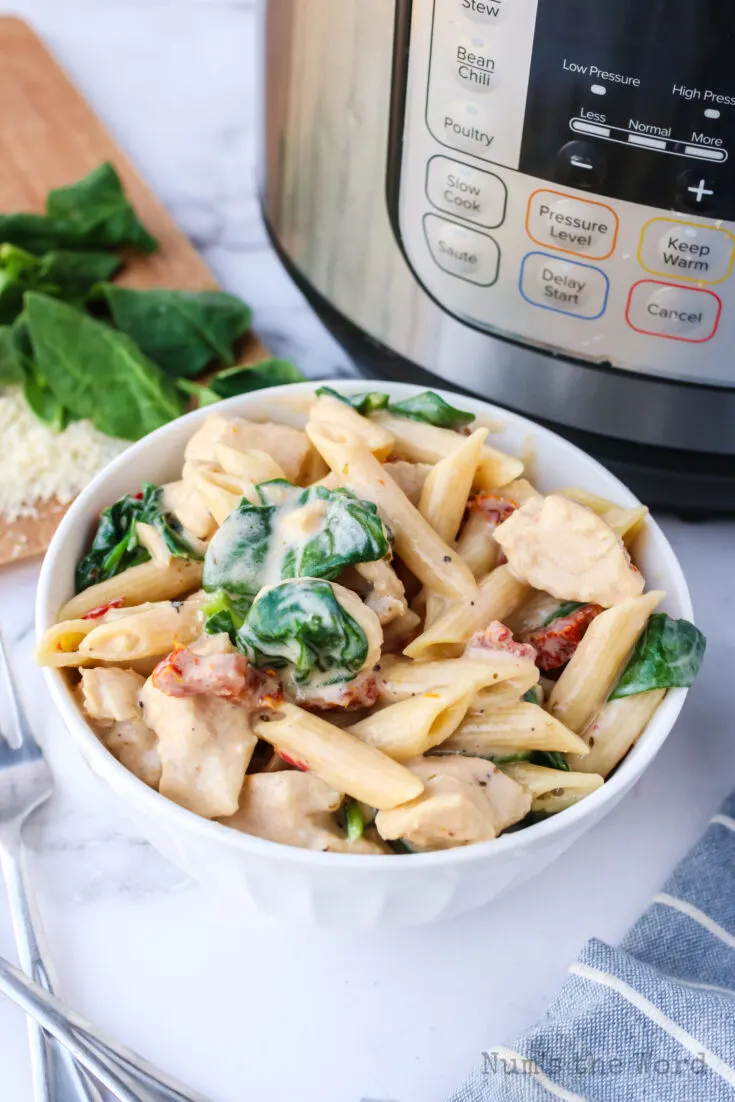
x=636, y=101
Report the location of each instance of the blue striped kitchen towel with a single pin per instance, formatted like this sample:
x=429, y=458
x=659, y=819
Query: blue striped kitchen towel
x=653, y=1020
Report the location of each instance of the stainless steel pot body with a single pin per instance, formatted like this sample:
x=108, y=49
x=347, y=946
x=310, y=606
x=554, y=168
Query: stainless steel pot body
x=437, y=214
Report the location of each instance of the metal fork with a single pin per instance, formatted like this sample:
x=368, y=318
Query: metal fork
x=26, y=783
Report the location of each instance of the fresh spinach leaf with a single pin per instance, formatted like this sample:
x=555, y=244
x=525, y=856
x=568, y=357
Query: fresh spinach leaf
x=65, y=275
x=181, y=331
x=433, y=410
x=225, y=613
x=97, y=372
x=99, y=212
x=566, y=608
x=42, y=400
x=301, y=624
x=367, y=403
x=72, y=275
x=552, y=759
x=91, y=213
x=668, y=655
x=241, y=380
x=338, y=530
x=11, y=367
x=116, y=546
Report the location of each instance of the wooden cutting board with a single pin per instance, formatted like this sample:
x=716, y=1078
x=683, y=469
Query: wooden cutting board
x=49, y=136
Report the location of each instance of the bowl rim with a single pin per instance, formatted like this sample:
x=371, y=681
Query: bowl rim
x=155, y=805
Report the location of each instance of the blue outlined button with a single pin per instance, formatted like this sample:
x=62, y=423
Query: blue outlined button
x=564, y=286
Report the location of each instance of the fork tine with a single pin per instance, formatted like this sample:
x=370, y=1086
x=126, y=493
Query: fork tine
x=22, y=728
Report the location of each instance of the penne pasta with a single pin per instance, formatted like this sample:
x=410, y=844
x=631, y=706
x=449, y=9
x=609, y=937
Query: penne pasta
x=409, y=476
x=338, y=757
x=412, y=726
x=137, y=586
x=508, y=692
x=448, y=486
x=333, y=412
x=59, y=645
x=477, y=547
x=287, y=446
x=400, y=678
x=497, y=596
x=513, y=730
x=425, y=554
x=148, y=632
x=552, y=790
x=613, y=731
x=422, y=443
x=253, y=465
x=220, y=492
x=595, y=666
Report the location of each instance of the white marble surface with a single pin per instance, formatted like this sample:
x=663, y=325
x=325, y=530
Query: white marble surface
x=241, y=1008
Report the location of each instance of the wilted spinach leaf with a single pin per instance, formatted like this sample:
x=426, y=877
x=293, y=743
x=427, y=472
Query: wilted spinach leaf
x=367, y=403
x=668, y=655
x=225, y=613
x=98, y=373
x=317, y=531
x=91, y=213
x=534, y=695
x=116, y=546
x=301, y=624
x=566, y=608
x=433, y=410
x=552, y=759
x=241, y=380
x=181, y=331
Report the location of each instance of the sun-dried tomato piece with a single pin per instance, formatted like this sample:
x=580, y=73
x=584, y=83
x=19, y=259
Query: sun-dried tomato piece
x=556, y=642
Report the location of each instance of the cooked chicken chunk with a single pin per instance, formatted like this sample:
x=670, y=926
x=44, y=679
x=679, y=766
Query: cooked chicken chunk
x=562, y=547
x=296, y=809
x=205, y=745
x=110, y=697
x=464, y=800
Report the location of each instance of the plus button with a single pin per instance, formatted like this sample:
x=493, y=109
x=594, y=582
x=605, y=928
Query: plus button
x=700, y=190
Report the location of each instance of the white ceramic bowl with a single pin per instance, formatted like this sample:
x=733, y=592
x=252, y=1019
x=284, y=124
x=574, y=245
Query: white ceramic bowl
x=339, y=889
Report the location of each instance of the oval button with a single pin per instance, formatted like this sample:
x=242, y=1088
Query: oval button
x=677, y=313
x=466, y=191
x=565, y=286
x=461, y=251
x=688, y=251
x=581, y=227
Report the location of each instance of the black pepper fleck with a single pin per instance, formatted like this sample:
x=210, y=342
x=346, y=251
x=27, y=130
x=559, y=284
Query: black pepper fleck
x=376, y=667
x=447, y=558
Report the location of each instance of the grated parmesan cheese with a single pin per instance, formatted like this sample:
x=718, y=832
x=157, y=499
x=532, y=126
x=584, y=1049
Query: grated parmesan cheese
x=37, y=464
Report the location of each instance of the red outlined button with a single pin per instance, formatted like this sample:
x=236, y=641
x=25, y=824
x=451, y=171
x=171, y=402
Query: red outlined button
x=672, y=311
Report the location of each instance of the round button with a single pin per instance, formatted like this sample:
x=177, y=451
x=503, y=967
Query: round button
x=473, y=63
x=468, y=125
x=488, y=12
x=695, y=190
x=581, y=164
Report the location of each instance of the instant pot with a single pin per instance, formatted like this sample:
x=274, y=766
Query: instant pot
x=529, y=200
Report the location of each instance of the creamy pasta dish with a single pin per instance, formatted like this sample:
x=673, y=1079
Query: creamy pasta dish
x=369, y=634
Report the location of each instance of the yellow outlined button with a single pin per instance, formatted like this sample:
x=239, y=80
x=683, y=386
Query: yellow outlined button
x=689, y=251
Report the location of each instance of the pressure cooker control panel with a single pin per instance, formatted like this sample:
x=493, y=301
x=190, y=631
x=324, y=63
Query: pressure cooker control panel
x=567, y=176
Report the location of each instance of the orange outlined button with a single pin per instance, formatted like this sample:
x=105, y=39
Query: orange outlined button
x=689, y=251
x=580, y=227
x=672, y=311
